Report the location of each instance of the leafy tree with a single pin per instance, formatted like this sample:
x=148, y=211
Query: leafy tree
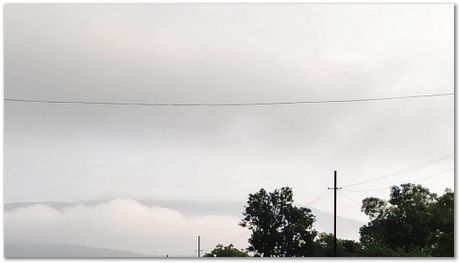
x=442, y=235
x=345, y=248
x=226, y=251
x=375, y=250
x=278, y=227
x=414, y=222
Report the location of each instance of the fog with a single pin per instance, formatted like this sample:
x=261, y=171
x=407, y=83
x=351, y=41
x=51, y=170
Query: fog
x=123, y=224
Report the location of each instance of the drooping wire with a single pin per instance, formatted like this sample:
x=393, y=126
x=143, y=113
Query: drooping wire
x=351, y=199
x=242, y=104
x=320, y=196
x=345, y=208
x=398, y=172
x=366, y=190
x=433, y=175
x=387, y=188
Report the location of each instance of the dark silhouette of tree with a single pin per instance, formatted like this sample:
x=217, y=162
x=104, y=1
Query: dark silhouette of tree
x=279, y=229
x=226, y=251
x=414, y=222
x=345, y=248
x=442, y=235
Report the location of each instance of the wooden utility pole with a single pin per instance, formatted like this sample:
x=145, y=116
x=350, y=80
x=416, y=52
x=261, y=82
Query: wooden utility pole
x=335, y=212
x=199, y=249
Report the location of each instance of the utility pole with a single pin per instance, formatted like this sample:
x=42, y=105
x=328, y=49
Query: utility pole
x=199, y=249
x=335, y=211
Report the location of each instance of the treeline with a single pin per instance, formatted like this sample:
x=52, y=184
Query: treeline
x=413, y=222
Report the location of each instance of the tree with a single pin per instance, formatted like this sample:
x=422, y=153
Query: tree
x=442, y=235
x=278, y=227
x=413, y=222
x=345, y=248
x=226, y=251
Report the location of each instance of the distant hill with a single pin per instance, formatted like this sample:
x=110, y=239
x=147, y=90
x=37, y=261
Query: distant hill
x=57, y=250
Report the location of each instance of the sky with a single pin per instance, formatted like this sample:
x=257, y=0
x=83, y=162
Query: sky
x=226, y=53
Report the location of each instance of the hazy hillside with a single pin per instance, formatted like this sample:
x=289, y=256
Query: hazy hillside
x=55, y=250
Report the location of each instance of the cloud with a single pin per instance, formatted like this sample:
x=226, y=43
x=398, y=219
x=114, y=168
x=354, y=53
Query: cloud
x=123, y=224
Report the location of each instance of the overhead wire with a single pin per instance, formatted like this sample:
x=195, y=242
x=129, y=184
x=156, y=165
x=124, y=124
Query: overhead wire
x=320, y=196
x=398, y=172
x=239, y=104
x=345, y=208
x=367, y=190
x=433, y=175
x=388, y=188
x=343, y=191
x=351, y=199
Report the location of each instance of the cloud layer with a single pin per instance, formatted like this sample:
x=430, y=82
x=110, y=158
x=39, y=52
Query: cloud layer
x=123, y=224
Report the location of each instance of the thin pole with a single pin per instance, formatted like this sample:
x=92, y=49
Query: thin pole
x=335, y=213
x=335, y=188
x=198, y=246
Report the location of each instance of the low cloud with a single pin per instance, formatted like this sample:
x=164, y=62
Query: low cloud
x=123, y=224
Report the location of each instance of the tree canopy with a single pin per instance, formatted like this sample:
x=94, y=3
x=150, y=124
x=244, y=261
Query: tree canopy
x=226, y=251
x=345, y=248
x=413, y=222
x=279, y=228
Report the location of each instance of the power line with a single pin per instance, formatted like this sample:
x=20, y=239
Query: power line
x=244, y=104
x=320, y=196
x=351, y=221
x=351, y=199
x=367, y=190
x=388, y=188
x=399, y=172
x=433, y=175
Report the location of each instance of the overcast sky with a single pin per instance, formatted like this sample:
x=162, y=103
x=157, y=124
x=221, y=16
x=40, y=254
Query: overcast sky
x=222, y=53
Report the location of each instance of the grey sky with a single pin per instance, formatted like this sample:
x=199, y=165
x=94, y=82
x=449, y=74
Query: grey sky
x=225, y=53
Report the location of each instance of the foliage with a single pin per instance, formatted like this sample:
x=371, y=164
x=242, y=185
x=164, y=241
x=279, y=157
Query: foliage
x=414, y=222
x=345, y=248
x=442, y=236
x=374, y=250
x=226, y=251
x=279, y=229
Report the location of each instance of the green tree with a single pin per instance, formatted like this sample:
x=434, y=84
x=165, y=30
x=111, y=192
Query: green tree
x=226, y=251
x=279, y=228
x=345, y=248
x=442, y=235
x=413, y=222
